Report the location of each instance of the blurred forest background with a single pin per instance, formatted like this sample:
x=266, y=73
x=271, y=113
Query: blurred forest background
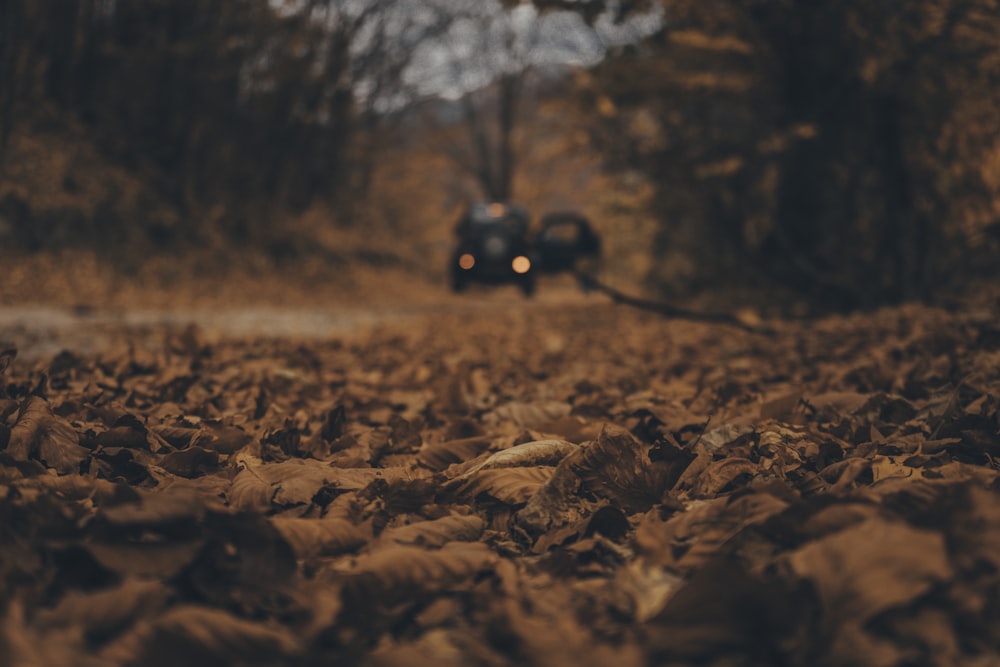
x=839, y=153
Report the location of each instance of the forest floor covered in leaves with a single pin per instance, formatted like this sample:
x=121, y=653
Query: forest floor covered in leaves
x=574, y=485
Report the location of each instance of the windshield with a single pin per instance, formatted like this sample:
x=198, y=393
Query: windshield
x=484, y=216
x=563, y=232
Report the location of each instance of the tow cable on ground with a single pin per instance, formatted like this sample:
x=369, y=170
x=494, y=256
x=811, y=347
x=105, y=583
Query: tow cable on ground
x=589, y=282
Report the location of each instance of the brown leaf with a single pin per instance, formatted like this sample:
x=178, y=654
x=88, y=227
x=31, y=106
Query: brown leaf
x=439, y=456
x=394, y=571
x=616, y=466
x=104, y=614
x=250, y=491
x=886, y=467
x=833, y=405
x=192, y=635
x=300, y=486
x=688, y=539
x=7, y=356
x=646, y=588
x=177, y=435
x=211, y=435
x=435, y=533
x=872, y=566
x=296, y=482
x=654, y=420
x=781, y=407
x=606, y=521
x=404, y=436
x=528, y=415
x=536, y=453
x=244, y=561
x=320, y=537
x=556, y=503
x=153, y=559
x=191, y=462
x=21, y=644
x=725, y=435
x=154, y=509
x=124, y=436
x=724, y=613
x=445, y=647
x=38, y=433
x=843, y=473
x=511, y=486
x=721, y=475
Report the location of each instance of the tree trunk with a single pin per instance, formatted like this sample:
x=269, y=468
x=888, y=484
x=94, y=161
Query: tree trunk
x=508, y=93
x=10, y=30
x=481, y=149
x=898, y=237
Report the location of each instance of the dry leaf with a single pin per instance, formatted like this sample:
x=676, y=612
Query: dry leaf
x=436, y=532
x=7, y=356
x=393, y=572
x=617, y=467
x=376, y=498
x=39, y=433
x=872, y=566
x=538, y=452
x=443, y=454
x=320, y=537
x=511, y=486
x=191, y=635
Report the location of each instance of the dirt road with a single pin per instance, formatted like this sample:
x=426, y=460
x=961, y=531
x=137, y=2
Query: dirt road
x=44, y=330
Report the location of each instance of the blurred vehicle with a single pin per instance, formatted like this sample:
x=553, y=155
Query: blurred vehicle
x=564, y=239
x=493, y=248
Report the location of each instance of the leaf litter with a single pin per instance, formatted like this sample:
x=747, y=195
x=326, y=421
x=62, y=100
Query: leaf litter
x=453, y=492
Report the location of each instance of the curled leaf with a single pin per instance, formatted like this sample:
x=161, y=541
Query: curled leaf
x=38, y=433
x=721, y=475
x=536, y=453
x=511, y=486
x=617, y=466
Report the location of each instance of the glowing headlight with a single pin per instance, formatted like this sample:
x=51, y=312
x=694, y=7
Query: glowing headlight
x=466, y=261
x=521, y=264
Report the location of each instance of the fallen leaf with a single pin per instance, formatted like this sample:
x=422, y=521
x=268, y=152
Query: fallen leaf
x=393, y=572
x=436, y=532
x=511, y=486
x=189, y=635
x=617, y=467
x=39, y=433
x=539, y=452
x=871, y=566
x=320, y=537
x=7, y=355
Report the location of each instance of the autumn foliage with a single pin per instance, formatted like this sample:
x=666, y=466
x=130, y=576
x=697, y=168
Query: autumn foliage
x=848, y=149
x=224, y=115
x=545, y=487
x=843, y=154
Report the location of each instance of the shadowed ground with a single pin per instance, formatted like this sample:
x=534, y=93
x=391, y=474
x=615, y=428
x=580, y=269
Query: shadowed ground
x=495, y=481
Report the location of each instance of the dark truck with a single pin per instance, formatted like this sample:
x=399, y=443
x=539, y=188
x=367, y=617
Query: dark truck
x=563, y=239
x=493, y=248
